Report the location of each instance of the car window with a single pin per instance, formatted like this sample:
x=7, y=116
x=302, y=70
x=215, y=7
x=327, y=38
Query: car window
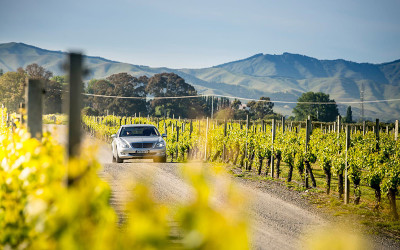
x=139, y=131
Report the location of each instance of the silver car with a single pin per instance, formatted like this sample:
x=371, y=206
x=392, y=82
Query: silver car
x=139, y=141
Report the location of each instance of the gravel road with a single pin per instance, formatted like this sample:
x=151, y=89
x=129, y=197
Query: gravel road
x=279, y=218
x=276, y=224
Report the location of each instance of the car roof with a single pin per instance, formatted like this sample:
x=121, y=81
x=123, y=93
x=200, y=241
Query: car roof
x=137, y=125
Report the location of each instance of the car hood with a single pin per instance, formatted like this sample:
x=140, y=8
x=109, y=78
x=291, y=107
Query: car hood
x=136, y=139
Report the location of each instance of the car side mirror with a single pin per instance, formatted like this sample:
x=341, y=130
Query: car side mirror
x=164, y=135
x=114, y=136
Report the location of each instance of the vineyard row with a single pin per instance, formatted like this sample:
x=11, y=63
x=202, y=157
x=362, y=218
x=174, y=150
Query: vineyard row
x=369, y=155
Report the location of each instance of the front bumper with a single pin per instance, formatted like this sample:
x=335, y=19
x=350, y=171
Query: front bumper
x=141, y=153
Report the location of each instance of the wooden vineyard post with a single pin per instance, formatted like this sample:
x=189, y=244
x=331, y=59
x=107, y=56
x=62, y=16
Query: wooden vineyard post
x=205, y=144
x=34, y=100
x=396, y=130
x=308, y=132
x=190, y=128
x=283, y=124
x=346, y=178
x=177, y=141
x=262, y=126
x=340, y=175
x=377, y=134
x=272, y=149
x=21, y=113
x=247, y=131
x=224, y=149
x=75, y=104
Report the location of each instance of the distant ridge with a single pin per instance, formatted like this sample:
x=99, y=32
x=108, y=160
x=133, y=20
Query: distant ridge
x=281, y=77
x=19, y=45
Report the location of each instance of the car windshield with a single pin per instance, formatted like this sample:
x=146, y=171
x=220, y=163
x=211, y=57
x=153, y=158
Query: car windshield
x=139, y=131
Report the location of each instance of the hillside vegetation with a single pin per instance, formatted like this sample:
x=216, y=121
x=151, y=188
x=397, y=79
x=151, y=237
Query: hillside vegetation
x=281, y=77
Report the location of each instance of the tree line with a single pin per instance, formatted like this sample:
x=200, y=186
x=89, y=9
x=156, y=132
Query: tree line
x=12, y=87
x=148, y=94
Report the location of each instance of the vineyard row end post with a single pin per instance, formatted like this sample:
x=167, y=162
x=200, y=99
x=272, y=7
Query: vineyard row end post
x=377, y=134
x=224, y=149
x=34, y=103
x=272, y=154
x=74, y=104
x=346, y=180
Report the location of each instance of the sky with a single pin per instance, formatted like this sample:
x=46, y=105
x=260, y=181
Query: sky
x=197, y=34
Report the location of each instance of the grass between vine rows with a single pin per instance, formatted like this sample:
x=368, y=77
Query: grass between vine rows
x=374, y=222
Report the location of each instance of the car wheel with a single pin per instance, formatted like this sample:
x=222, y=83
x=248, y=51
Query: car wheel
x=112, y=152
x=119, y=160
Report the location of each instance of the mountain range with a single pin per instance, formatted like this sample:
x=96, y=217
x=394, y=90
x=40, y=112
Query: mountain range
x=281, y=77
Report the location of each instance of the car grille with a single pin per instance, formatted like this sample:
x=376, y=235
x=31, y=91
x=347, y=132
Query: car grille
x=142, y=145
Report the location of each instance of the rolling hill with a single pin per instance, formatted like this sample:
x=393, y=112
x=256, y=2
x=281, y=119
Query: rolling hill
x=281, y=77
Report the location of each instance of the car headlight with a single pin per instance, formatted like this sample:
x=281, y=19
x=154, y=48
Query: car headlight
x=123, y=144
x=160, y=145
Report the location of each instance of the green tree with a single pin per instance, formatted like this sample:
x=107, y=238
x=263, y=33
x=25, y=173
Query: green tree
x=307, y=105
x=101, y=104
x=89, y=86
x=53, y=87
x=349, y=115
x=12, y=89
x=53, y=97
x=236, y=104
x=168, y=85
x=121, y=84
x=89, y=111
x=35, y=71
x=261, y=109
x=129, y=86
